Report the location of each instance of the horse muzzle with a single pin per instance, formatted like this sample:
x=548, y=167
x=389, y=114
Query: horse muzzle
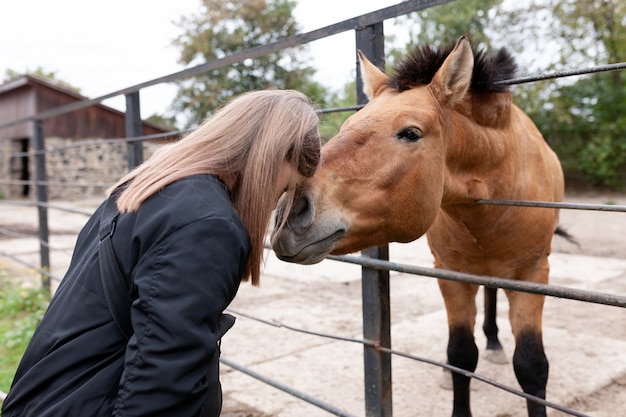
x=309, y=234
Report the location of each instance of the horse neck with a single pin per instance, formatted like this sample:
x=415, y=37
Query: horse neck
x=481, y=139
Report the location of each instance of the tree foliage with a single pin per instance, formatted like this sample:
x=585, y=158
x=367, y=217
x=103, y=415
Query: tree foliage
x=331, y=122
x=436, y=26
x=444, y=24
x=583, y=118
x=222, y=28
x=50, y=76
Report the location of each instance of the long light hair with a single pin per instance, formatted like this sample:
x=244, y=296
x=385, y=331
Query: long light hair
x=247, y=140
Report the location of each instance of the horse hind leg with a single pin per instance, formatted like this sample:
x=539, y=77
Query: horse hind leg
x=531, y=369
x=494, y=352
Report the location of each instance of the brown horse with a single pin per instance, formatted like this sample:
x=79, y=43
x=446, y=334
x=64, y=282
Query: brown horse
x=435, y=136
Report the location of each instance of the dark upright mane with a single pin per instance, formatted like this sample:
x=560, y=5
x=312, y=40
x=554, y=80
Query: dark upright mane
x=419, y=66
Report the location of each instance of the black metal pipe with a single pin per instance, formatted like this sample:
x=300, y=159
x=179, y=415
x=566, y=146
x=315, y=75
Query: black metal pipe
x=554, y=204
x=375, y=283
x=134, y=128
x=507, y=284
x=562, y=74
x=449, y=367
x=367, y=19
x=42, y=198
x=298, y=394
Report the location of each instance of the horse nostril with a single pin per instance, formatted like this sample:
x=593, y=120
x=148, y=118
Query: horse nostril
x=302, y=213
x=299, y=207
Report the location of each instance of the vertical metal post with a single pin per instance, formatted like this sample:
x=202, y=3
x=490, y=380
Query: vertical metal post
x=134, y=129
x=371, y=41
x=42, y=200
x=375, y=284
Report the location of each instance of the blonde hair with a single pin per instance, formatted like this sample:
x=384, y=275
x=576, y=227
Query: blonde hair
x=248, y=140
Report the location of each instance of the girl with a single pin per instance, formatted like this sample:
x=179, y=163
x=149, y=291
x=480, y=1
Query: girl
x=187, y=226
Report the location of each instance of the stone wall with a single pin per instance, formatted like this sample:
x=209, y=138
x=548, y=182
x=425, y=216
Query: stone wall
x=75, y=169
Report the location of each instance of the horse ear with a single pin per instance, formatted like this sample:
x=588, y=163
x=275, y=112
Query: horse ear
x=454, y=77
x=374, y=80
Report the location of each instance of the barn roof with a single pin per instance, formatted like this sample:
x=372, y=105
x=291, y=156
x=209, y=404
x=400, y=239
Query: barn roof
x=28, y=95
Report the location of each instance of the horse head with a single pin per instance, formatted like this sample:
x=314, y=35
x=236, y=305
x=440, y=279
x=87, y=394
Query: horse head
x=382, y=176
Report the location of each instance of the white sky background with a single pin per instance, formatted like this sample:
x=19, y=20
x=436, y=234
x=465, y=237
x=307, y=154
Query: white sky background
x=102, y=47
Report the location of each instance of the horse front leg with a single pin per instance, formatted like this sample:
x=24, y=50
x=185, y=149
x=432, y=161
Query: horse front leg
x=460, y=301
x=529, y=360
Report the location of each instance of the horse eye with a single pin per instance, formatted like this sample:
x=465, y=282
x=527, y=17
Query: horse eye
x=410, y=134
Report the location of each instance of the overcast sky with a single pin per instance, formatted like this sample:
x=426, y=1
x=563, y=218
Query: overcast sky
x=102, y=47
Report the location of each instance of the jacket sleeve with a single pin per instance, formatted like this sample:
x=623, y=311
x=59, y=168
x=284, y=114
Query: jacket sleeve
x=183, y=284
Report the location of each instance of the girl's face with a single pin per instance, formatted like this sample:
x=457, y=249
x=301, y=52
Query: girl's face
x=287, y=174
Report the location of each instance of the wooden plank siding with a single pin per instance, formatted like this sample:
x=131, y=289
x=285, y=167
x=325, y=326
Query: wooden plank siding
x=30, y=95
x=71, y=165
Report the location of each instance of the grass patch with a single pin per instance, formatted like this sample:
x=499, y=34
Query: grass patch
x=21, y=309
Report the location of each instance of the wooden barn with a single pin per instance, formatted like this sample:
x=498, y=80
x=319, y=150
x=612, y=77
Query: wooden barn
x=28, y=95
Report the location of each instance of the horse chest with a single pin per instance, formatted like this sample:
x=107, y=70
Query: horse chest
x=480, y=248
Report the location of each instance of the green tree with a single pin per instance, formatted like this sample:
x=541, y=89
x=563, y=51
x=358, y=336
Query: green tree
x=222, y=28
x=330, y=122
x=583, y=118
x=162, y=120
x=444, y=24
x=50, y=76
x=436, y=26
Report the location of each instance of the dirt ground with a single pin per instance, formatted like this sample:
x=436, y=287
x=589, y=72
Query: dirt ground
x=585, y=343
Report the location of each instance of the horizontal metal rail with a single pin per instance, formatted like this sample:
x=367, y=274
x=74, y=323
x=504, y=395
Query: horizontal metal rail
x=290, y=42
x=57, y=183
x=289, y=390
x=19, y=235
x=557, y=205
x=144, y=138
x=298, y=40
x=507, y=284
x=561, y=74
x=522, y=203
x=29, y=265
x=376, y=345
x=487, y=381
x=340, y=109
x=46, y=205
x=105, y=141
x=255, y=52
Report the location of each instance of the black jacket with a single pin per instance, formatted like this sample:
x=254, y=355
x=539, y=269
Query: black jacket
x=183, y=254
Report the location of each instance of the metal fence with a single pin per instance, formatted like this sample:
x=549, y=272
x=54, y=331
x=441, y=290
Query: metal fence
x=375, y=263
